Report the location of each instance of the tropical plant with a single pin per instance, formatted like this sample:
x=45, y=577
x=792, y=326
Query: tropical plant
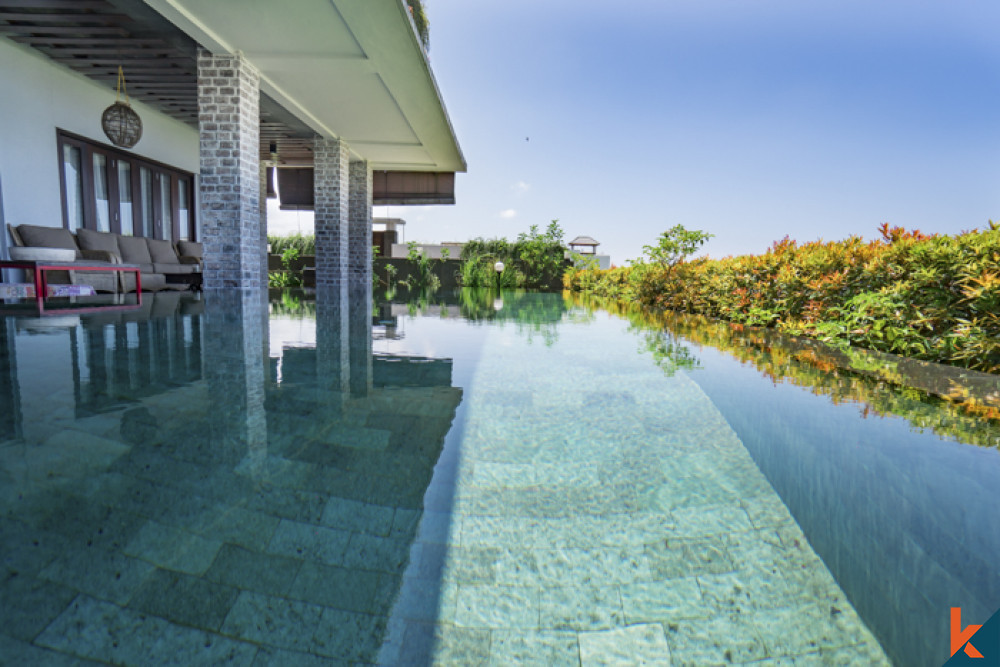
x=536, y=260
x=422, y=276
x=419, y=16
x=304, y=243
x=931, y=297
x=287, y=277
x=675, y=245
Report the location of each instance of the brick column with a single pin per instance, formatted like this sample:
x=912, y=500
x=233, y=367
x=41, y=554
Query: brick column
x=331, y=184
x=235, y=325
x=360, y=232
x=262, y=193
x=229, y=128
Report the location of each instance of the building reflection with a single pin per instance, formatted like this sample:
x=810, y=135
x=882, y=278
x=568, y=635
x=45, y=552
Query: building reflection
x=197, y=443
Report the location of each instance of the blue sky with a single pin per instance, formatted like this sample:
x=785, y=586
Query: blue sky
x=749, y=120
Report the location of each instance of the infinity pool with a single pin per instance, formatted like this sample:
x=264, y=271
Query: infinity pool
x=473, y=479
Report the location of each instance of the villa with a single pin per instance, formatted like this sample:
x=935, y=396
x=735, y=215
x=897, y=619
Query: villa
x=337, y=94
x=415, y=475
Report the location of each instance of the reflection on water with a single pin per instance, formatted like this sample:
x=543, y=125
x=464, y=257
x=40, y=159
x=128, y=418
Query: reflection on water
x=227, y=479
x=165, y=489
x=901, y=508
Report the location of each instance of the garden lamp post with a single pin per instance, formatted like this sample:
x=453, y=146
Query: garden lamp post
x=498, y=267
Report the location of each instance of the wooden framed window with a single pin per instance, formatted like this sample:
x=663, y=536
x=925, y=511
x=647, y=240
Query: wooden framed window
x=110, y=190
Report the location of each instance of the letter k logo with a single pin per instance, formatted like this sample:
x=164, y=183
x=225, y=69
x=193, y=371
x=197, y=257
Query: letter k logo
x=960, y=637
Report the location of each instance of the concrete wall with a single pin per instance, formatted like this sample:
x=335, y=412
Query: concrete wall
x=39, y=97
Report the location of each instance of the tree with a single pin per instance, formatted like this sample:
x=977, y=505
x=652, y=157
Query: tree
x=675, y=245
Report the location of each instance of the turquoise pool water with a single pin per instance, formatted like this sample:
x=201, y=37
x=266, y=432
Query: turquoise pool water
x=468, y=479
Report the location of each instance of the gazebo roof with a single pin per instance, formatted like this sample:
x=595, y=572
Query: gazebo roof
x=584, y=240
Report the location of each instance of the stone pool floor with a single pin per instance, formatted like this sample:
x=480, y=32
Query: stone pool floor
x=601, y=513
x=643, y=533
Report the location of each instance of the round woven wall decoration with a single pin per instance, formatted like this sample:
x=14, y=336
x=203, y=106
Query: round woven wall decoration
x=121, y=123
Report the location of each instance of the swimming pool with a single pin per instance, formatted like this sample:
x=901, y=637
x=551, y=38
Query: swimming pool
x=466, y=479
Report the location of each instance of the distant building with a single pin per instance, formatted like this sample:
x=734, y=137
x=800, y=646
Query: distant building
x=585, y=245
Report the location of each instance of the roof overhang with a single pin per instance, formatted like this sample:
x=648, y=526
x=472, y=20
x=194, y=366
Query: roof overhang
x=348, y=69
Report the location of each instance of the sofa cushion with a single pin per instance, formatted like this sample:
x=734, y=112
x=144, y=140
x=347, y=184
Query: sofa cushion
x=162, y=252
x=175, y=269
x=47, y=237
x=190, y=249
x=91, y=240
x=134, y=250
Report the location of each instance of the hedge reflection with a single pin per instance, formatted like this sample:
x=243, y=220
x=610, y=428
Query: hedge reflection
x=950, y=403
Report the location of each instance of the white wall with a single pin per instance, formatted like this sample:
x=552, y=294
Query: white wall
x=40, y=96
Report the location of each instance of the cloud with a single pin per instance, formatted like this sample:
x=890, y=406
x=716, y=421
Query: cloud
x=520, y=187
x=509, y=213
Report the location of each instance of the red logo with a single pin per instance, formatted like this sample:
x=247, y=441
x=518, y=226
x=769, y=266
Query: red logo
x=960, y=637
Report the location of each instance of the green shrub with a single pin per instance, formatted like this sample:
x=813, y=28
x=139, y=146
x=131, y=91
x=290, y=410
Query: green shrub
x=928, y=297
x=304, y=243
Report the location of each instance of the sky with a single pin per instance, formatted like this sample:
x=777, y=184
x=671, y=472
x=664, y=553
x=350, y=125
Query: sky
x=750, y=120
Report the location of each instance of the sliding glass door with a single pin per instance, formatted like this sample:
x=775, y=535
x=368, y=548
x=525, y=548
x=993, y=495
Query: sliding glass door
x=109, y=190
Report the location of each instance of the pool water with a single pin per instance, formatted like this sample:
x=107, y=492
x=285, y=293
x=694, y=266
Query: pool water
x=465, y=479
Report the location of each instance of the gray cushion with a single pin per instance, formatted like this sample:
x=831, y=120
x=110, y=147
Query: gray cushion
x=175, y=269
x=162, y=252
x=47, y=237
x=91, y=240
x=134, y=250
x=190, y=249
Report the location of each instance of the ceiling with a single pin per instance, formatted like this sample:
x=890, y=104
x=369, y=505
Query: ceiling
x=338, y=68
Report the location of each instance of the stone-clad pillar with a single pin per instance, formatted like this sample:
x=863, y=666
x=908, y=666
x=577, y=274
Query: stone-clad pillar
x=360, y=232
x=331, y=186
x=229, y=129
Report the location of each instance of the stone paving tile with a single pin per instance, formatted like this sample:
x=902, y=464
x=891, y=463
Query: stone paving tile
x=767, y=511
x=708, y=520
x=273, y=621
x=717, y=640
x=28, y=605
x=580, y=608
x=309, y=542
x=348, y=635
x=173, y=549
x=276, y=657
x=867, y=653
x=668, y=600
x=303, y=506
x=103, y=574
x=674, y=558
x=542, y=648
x=252, y=571
x=496, y=607
x=595, y=566
x=92, y=524
x=104, y=631
x=469, y=565
x=643, y=644
x=442, y=644
x=341, y=588
x=382, y=554
x=16, y=652
x=184, y=599
x=26, y=549
x=816, y=627
x=425, y=600
x=687, y=492
x=358, y=517
x=235, y=525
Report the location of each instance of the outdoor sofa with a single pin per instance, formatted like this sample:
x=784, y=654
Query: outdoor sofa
x=161, y=264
